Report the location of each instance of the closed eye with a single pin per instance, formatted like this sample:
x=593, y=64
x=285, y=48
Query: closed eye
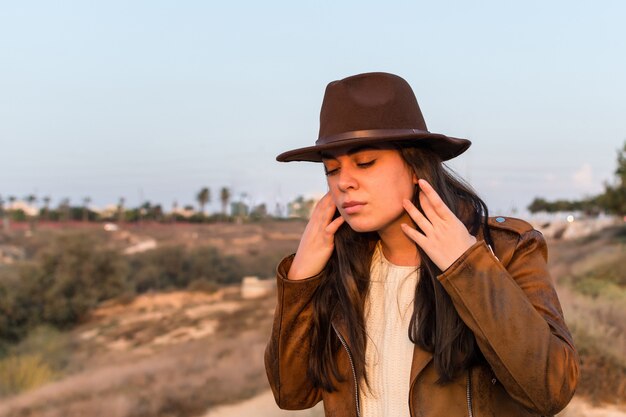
x=330, y=172
x=366, y=164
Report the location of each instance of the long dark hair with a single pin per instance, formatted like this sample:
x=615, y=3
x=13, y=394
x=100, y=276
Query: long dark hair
x=435, y=325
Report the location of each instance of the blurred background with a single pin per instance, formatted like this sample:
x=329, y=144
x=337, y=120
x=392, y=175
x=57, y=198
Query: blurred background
x=143, y=213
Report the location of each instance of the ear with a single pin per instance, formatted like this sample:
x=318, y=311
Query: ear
x=415, y=179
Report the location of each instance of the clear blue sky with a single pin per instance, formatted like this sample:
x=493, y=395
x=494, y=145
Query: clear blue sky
x=159, y=98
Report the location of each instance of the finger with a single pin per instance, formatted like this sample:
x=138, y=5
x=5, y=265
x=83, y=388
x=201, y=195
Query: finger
x=417, y=216
x=334, y=225
x=414, y=235
x=327, y=207
x=436, y=203
x=428, y=209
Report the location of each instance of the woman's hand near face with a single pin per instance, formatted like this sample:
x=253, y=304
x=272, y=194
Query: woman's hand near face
x=445, y=238
x=317, y=242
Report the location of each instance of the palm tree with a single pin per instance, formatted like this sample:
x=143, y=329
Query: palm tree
x=203, y=197
x=64, y=209
x=32, y=220
x=120, y=210
x=46, y=207
x=7, y=224
x=86, y=202
x=174, y=211
x=31, y=199
x=225, y=198
x=2, y=214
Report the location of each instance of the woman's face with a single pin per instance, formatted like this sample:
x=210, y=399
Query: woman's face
x=368, y=184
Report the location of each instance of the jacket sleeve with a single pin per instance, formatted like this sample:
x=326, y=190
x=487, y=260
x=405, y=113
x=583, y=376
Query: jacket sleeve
x=287, y=353
x=517, y=320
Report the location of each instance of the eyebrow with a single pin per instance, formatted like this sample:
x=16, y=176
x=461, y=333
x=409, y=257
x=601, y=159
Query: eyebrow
x=351, y=151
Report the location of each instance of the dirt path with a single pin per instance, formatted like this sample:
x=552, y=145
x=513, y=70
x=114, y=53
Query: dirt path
x=262, y=405
x=580, y=408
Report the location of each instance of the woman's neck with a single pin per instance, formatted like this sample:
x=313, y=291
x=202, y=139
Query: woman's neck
x=397, y=247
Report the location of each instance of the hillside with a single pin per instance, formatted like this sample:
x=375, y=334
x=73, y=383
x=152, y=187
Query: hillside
x=186, y=353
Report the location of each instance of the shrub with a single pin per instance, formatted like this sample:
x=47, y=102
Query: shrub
x=65, y=280
x=174, y=267
x=23, y=372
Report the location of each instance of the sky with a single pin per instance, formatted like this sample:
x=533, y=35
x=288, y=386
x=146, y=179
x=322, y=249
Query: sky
x=153, y=100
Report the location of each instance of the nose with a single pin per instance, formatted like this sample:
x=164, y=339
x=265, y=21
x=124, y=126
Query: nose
x=347, y=180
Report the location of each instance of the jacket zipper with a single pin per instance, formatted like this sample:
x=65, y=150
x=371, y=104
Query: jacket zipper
x=468, y=384
x=356, y=385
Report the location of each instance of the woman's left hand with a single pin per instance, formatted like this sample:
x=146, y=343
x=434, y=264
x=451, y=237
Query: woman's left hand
x=445, y=237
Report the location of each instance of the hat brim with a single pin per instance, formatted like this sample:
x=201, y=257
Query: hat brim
x=446, y=147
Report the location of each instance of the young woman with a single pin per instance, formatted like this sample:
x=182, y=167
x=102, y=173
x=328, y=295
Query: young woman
x=404, y=297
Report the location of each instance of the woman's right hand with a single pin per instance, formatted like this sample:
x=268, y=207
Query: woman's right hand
x=317, y=242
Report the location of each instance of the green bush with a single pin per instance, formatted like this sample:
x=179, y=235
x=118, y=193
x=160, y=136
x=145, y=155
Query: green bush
x=72, y=273
x=171, y=267
x=76, y=276
x=65, y=280
x=599, y=288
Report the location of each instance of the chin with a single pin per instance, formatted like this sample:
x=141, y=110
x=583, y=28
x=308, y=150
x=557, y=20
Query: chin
x=361, y=226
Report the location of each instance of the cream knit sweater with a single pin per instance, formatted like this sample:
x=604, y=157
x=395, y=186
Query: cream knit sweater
x=388, y=352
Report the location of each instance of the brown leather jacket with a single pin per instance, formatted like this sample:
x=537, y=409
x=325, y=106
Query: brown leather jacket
x=507, y=300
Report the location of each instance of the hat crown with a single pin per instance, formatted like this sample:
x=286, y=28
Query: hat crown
x=371, y=108
x=369, y=101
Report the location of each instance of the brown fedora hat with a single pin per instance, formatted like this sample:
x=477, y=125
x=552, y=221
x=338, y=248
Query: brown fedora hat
x=373, y=107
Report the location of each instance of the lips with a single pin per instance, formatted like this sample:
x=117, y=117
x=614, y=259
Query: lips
x=351, y=207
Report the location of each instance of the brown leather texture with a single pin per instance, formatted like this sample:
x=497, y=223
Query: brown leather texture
x=507, y=298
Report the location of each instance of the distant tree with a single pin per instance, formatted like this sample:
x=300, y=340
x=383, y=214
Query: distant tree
x=259, y=212
x=3, y=217
x=614, y=197
x=120, y=209
x=46, y=208
x=31, y=199
x=174, y=211
x=203, y=197
x=239, y=209
x=538, y=204
x=65, y=209
x=613, y=200
x=301, y=207
x=9, y=210
x=86, y=202
x=224, y=198
x=156, y=212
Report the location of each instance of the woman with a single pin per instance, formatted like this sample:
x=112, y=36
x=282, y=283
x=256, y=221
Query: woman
x=404, y=297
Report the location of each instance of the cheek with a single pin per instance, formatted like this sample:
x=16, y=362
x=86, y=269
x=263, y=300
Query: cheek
x=398, y=188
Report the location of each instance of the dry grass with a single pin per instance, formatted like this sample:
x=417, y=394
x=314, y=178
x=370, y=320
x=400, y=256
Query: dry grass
x=23, y=372
x=591, y=273
x=599, y=331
